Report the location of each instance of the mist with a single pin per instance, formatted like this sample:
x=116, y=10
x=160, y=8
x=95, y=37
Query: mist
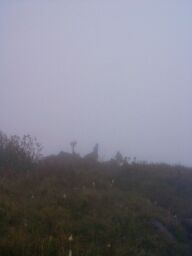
x=117, y=73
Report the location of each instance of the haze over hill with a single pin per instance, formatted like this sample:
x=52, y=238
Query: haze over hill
x=68, y=205
x=117, y=73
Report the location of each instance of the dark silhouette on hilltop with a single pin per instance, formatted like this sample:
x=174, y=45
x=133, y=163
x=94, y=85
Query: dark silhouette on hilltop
x=93, y=156
x=73, y=145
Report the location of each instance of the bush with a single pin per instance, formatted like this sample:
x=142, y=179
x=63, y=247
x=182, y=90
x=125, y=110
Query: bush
x=18, y=153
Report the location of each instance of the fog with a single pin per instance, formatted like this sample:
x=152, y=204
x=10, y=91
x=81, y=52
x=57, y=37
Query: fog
x=117, y=73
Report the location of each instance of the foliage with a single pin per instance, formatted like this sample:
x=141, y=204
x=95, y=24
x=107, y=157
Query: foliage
x=18, y=153
x=110, y=209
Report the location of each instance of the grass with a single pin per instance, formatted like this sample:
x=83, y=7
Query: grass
x=109, y=209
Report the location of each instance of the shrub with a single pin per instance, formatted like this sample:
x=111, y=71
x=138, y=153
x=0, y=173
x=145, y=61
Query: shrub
x=18, y=153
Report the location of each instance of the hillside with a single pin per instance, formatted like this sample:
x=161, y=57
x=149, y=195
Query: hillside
x=104, y=208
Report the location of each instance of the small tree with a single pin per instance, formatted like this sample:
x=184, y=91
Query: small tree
x=18, y=153
x=119, y=158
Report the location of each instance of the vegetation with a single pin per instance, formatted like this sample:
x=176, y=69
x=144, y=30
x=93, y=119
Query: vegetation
x=96, y=209
x=18, y=154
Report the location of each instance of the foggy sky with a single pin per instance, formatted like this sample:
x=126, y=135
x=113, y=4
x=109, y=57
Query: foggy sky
x=114, y=72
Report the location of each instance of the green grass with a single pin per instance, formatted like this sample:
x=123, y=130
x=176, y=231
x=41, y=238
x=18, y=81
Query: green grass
x=40, y=209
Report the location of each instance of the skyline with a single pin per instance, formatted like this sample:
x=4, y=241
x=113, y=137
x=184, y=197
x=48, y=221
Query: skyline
x=117, y=74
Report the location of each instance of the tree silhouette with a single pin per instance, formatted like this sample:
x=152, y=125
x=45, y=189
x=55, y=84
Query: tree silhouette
x=18, y=153
x=119, y=158
x=73, y=145
x=94, y=155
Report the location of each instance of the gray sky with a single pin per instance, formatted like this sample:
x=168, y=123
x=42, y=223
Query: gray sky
x=114, y=72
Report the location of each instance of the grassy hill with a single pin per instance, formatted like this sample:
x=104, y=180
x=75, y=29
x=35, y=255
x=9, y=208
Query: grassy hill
x=133, y=209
